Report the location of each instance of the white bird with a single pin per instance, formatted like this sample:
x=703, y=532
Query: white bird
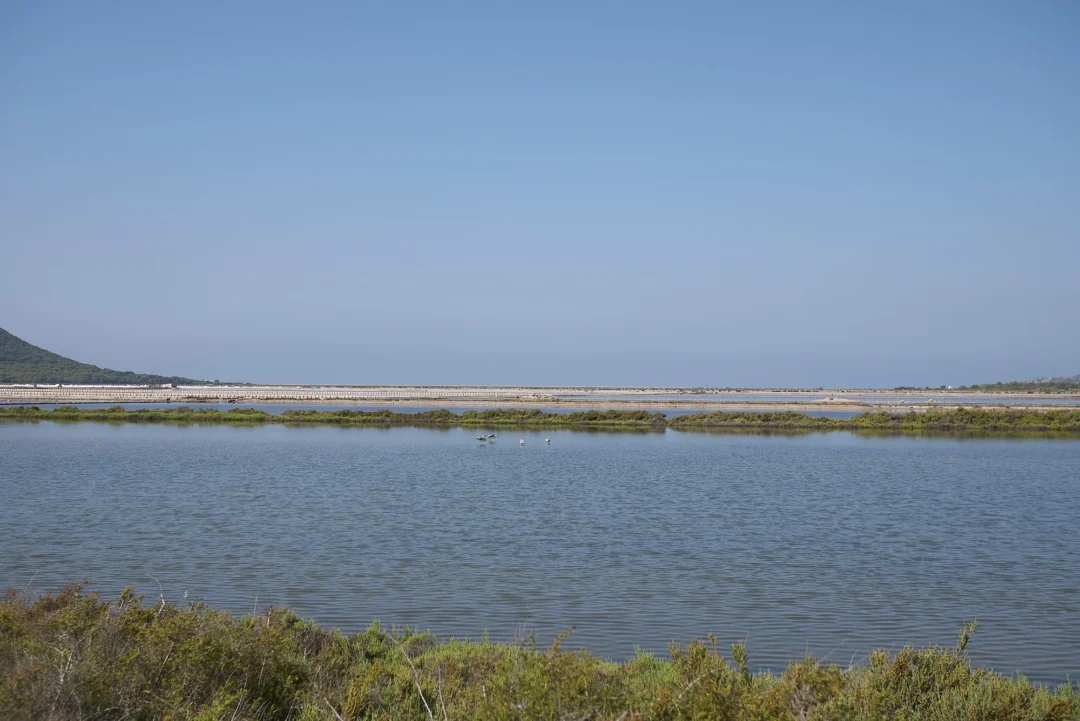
x=521, y=442
x=547, y=440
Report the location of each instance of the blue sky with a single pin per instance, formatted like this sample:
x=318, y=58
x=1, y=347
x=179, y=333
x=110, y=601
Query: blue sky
x=598, y=193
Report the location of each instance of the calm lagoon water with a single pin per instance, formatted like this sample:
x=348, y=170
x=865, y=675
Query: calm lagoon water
x=835, y=543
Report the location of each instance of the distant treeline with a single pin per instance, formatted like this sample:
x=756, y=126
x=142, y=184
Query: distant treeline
x=1057, y=385
x=961, y=419
x=1042, y=385
x=90, y=375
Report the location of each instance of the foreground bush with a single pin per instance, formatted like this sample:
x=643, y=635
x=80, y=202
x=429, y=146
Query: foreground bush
x=72, y=656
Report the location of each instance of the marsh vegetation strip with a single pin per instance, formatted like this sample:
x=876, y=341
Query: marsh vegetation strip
x=834, y=542
x=278, y=408
x=960, y=419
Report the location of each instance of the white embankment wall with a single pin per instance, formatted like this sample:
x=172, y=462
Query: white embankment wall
x=196, y=394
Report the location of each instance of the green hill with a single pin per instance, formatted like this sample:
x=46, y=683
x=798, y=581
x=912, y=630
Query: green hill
x=21, y=362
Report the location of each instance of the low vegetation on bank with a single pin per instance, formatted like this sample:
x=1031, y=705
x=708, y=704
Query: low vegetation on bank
x=956, y=420
x=959, y=419
x=487, y=419
x=74, y=656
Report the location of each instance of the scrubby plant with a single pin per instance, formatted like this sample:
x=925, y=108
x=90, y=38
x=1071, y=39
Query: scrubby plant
x=75, y=656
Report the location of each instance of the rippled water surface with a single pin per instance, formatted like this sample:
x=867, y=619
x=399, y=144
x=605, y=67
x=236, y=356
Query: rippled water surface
x=830, y=542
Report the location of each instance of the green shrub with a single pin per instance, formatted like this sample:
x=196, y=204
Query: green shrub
x=73, y=656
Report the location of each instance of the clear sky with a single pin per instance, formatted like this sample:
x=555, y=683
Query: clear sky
x=690, y=193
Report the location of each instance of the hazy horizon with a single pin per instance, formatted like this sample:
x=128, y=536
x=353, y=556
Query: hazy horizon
x=499, y=368
x=760, y=196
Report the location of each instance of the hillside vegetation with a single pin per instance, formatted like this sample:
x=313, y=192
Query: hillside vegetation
x=74, y=656
x=22, y=362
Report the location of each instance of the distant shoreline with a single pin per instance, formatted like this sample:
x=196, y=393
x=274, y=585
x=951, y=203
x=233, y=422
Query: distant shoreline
x=544, y=390
x=581, y=397
x=599, y=404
